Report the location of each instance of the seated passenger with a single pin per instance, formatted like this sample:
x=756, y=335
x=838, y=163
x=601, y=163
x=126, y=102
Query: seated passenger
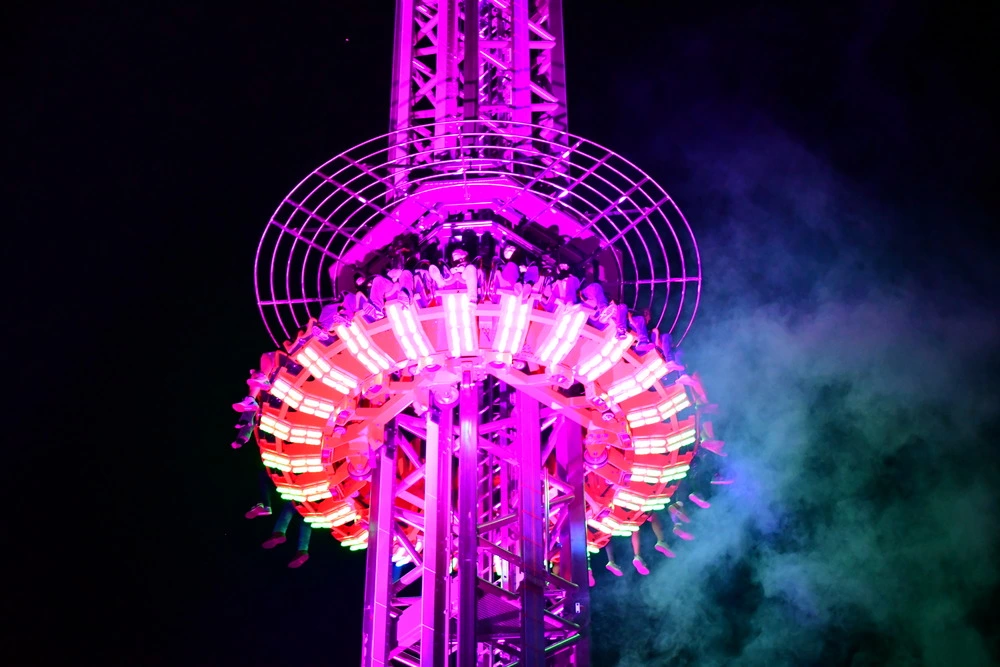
x=459, y=274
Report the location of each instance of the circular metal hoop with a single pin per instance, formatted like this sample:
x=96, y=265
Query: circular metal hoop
x=410, y=182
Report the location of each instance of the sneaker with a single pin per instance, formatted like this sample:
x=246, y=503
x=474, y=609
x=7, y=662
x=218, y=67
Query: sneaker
x=719, y=479
x=704, y=504
x=640, y=565
x=681, y=533
x=614, y=569
x=590, y=575
x=259, y=381
x=246, y=405
x=714, y=446
x=643, y=346
x=662, y=547
x=258, y=510
x=621, y=333
x=678, y=515
x=236, y=444
x=274, y=540
x=299, y=560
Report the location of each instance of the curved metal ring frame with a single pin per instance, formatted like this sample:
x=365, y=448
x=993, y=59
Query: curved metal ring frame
x=352, y=204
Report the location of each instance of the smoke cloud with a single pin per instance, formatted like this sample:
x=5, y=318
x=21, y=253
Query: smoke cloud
x=859, y=419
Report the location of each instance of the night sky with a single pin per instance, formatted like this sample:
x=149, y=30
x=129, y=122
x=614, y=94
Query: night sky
x=833, y=159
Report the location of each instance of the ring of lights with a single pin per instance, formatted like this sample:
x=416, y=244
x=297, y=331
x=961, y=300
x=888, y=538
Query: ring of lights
x=327, y=409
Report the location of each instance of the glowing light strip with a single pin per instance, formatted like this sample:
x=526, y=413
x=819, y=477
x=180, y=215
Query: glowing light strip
x=276, y=427
x=277, y=461
x=658, y=474
x=459, y=321
x=514, y=314
x=635, y=501
x=338, y=516
x=661, y=412
x=653, y=444
x=284, y=391
x=609, y=355
x=294, y=398
x=563, y=337
x=311, y=492
x=321, y=369
x=407, y=330
x=362, y=348
x=618, y=528
x=356, y=543
x=644, y=378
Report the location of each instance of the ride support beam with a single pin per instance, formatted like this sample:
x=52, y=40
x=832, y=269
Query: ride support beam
x=378, y=570
x=573, y=538
x=468, y=502
x=531, y=513
x=434, y=609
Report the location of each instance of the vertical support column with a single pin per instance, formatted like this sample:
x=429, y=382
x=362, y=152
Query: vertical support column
x=573, y=536
x=470, y=65
x=557, y=74
x=434, y=610
x=520, y=101
x=378, y=571
x=531, y=515
x=468, y=538
x=448, y=55
x=401, y=111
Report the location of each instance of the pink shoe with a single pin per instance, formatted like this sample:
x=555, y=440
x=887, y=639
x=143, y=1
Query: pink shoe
x=714, y=446
x=677, y=515
x=664, y=549
x=640, y=565
x=258, y=510
x=246, y=405
x=299, y=560
x=704, y=504
x=681, y=533
x=259, y=381
x=719, y=479
x=236, y=444
x=274, y=540
x=590, y=575
x=614, y=569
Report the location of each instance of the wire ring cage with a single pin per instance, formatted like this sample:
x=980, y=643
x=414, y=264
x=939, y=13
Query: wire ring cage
x=353, y=205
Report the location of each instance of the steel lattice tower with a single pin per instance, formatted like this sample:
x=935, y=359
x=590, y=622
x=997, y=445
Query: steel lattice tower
x=485, y=442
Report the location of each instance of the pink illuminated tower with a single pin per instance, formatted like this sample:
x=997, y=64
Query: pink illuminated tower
x=476, y=380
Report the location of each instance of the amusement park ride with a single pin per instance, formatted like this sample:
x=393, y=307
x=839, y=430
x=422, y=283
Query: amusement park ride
x=477, y=317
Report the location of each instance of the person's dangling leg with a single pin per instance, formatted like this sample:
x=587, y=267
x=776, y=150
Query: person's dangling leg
x=280, y=526
x=263, y=508
x=637, y=562
x=638, y=323
x=621, y=320
x=380, y=286
x=246, y=430
x=470, y=274
x=612, y=566
x=302, y=552
x=351, y=305
x=661, y=538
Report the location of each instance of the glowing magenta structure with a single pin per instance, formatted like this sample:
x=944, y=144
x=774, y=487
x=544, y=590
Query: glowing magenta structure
x=486, y=436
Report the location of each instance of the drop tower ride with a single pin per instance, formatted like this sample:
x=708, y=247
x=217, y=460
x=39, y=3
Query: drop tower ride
x=477, y=317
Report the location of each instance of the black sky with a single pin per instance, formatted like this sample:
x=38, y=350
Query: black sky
x=833, y=160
